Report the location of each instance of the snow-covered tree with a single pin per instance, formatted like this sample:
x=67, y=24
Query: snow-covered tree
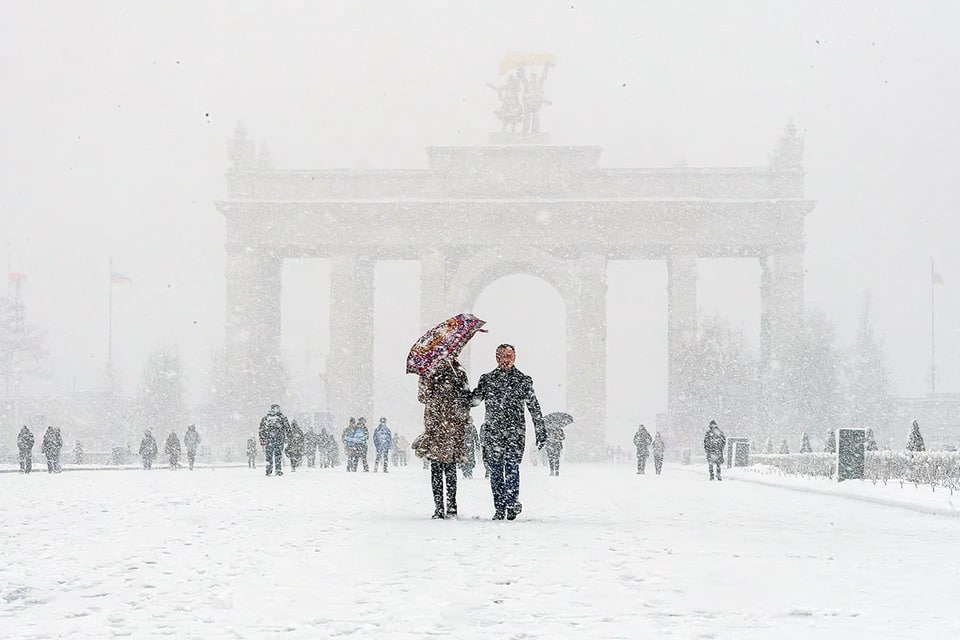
x=871, y=444
x=871, y=402
x=720, y=377
x=915, y=443
x=805, y=444
x=784, y=447
x=816, y=379
x=768, y=445
x=160, y=398
x=831, y=446
x=22, y=346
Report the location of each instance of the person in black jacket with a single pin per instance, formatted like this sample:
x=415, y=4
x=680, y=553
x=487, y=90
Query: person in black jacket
x=148, y=449
x=505, y=391
x=191, y=440
x=642, y=440
x=172, y=450
x=52, y=443
x=274, y=430
x=25, y=442
x=713, y=443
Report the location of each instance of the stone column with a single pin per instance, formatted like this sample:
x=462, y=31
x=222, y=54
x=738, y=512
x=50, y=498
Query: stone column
x=254, y=376
x=781, y=320
x=681, y=335
x=587, y=358
x=350, y=364
x=433, y=288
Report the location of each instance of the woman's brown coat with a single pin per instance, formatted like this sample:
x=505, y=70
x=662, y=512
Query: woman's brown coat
x=445, y=394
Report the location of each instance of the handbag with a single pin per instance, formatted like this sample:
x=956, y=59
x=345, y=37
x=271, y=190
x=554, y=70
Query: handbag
x=419, y=445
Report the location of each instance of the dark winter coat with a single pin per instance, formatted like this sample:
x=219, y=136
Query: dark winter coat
x=445, y=395
x=382, y=438
x=273, y=428
x=148, y=447
x=641, y=441
x=658, y=446
x=172, y=447
x=191, y=439
x=25, y=440
x=713, y=443
x=505, y=392
x=52, y=443
x=295, y=442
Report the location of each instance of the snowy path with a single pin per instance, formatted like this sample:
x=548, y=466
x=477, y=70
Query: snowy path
x=598, y=553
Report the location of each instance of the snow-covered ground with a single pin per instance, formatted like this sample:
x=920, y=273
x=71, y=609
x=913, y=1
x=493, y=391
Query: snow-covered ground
x=597, y=553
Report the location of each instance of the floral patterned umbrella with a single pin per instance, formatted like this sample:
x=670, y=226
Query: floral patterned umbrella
x=441, y=342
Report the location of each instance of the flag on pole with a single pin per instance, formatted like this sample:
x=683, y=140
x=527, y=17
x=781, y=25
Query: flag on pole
x=935, y=278
x=119, y=278
x=16, y=277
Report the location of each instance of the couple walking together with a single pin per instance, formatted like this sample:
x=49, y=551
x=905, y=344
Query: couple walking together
x=447, y=398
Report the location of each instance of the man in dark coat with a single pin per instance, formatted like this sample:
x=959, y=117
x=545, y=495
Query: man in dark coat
x=274, y=430
x=148, y=449
x=25, y=442
x=191, y=440
x=51, y=446
x=172, y=450
x=713, y=444
x=642, y=440
x=505, y=391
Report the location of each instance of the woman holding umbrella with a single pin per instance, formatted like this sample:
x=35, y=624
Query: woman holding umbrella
x=555, y=422
x=445, y=394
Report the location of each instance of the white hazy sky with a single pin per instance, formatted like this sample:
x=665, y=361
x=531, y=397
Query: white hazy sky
x=115, y=117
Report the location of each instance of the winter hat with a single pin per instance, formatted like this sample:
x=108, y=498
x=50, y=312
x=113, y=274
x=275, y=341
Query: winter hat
x=713, y=423
x=383, y=419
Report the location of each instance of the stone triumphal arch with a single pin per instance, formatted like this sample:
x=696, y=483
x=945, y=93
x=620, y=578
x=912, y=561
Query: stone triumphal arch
x=477, y=213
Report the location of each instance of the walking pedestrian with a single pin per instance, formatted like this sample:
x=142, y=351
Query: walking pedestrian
x=25, y=441
x=504, y=392
x=172, y=450
x=554, y=446
x=642, y=440
x=657, y=448
x=382, y=443
x=310, y=444
x=191, y=440
x=445, y=394
x=295, y=445
x=51, y=446
x=148, y=449
x=251, y=453
x=274, y=430
x=713, y=444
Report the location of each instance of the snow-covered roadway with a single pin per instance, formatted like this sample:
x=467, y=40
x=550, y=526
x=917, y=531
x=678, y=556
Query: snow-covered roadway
x=597, y=553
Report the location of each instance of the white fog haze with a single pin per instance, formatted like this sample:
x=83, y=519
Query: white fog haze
x=126, y=215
